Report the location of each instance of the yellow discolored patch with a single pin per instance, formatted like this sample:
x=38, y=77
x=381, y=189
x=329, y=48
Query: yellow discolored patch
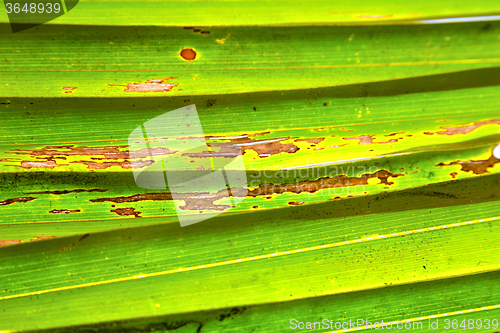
x=373, y=181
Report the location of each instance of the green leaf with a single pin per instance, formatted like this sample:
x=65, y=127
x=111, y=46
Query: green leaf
x=329, y=249
x=372, y=184
x=368, y=138
x=201, y=13
x=101, y=61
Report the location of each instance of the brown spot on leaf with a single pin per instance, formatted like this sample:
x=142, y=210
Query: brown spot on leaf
x=466, y=129
x=264, y=148
x=125, y=164
x=295, y=203
x=69, y=90
x=11, y=201
x=392, y=134
x=210, y=102
x=4, y=242
x=41, y=238
x=108, y=152
x=68, y=191
x=65, y=211
x=197, y=201
x=206, y=201
x=205, y=32
x=153, y=85
x=477, y=167
x=188, y=54
x=315, y=141
x=51, y=158
x=453, y=175
x=322, y=183
x=363, y=139
x=126, y=211
x=193, y=201
x=83, y=237
x=368, y=139
x=48, y=164
x=136, y=197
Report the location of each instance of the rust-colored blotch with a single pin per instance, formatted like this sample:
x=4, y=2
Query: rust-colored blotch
x=188, y=54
